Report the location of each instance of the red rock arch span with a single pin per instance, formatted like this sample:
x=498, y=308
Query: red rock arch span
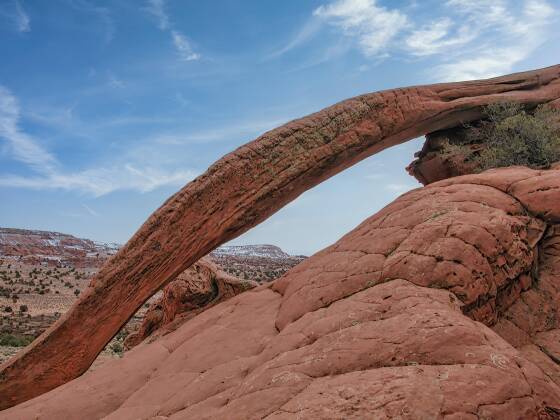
x=238, y=192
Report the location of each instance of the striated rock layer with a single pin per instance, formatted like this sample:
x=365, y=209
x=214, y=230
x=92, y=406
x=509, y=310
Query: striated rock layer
x=407, y=316
x=238, y=192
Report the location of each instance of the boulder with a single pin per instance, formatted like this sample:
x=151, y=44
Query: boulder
x=196, y=289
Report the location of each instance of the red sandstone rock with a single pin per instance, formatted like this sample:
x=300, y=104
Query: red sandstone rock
x=247, y=186
x=196, y=289
x=382, y=324
x=435, y=163
x=453, y=152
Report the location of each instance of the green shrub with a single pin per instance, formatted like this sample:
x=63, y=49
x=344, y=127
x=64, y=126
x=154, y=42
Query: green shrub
x=14, y=340
x=117, y=348
x=514, y=136
x=122, y=334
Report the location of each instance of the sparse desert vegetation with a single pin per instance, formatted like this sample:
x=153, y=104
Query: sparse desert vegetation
x=36, y=290
x=34, y=296
x=510, y=136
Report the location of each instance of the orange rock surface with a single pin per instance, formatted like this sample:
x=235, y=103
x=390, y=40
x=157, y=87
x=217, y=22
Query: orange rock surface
x=196, y=289
x=362, y=312
x=408, y=315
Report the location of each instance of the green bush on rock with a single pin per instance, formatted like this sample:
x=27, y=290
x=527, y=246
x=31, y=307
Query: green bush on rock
x=14, y=340
x=512, y=136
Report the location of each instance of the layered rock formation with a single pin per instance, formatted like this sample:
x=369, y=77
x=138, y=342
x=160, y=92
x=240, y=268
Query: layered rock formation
x=53, y=248
x=238, y=192
x=407, y=316
x=196, y=289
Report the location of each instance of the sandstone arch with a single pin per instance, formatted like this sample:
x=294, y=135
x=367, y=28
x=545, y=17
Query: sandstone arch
x=239, y=191
x=379, y=325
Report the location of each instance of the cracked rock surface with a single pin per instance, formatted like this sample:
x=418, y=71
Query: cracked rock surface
x=253, y=182
x=444, y=305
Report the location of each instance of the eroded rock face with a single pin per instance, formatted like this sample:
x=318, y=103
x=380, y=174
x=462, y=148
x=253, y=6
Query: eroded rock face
x=455, y=151
x=196, y=289
x=239, y=191
x=381, y=324
x=437, y=161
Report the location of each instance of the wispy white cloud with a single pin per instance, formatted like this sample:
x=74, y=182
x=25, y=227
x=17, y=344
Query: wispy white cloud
x=223, y=132
x=465, y=39
x=503, y=37
x=22, y=18
x=308, y=31
x=436, y=37
x=14, y=12
x=67, y=121
x=374, y=26
x=91, y=211
x=49, y=174
x=183, y=47
x=115, y=82
x=101, y=181
x=181, y=43
x=180, y=98
x=157, y=9
x=20, y=145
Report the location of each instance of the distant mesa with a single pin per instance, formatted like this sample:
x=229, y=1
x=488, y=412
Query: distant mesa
x=261, y=262
x=266, y=251
x=54, y=248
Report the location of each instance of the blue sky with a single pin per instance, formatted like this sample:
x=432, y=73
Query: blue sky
x=108, y=107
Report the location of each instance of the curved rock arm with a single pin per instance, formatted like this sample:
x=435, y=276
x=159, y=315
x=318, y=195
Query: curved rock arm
x=238, y=192
x=372, y=326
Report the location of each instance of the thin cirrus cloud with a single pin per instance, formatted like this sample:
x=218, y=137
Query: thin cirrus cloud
x=183, y=47
x=436, y=37
x=15, y=13
x=465, y=39
x=101, y=181
x=48, y=170
x=372, y=25
x=232, y=131
x=22, y=19
x=307, y=31
x=91, y=211
x=157, y=9
x=18, y=144
x=185, y=50
x=504, y=37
